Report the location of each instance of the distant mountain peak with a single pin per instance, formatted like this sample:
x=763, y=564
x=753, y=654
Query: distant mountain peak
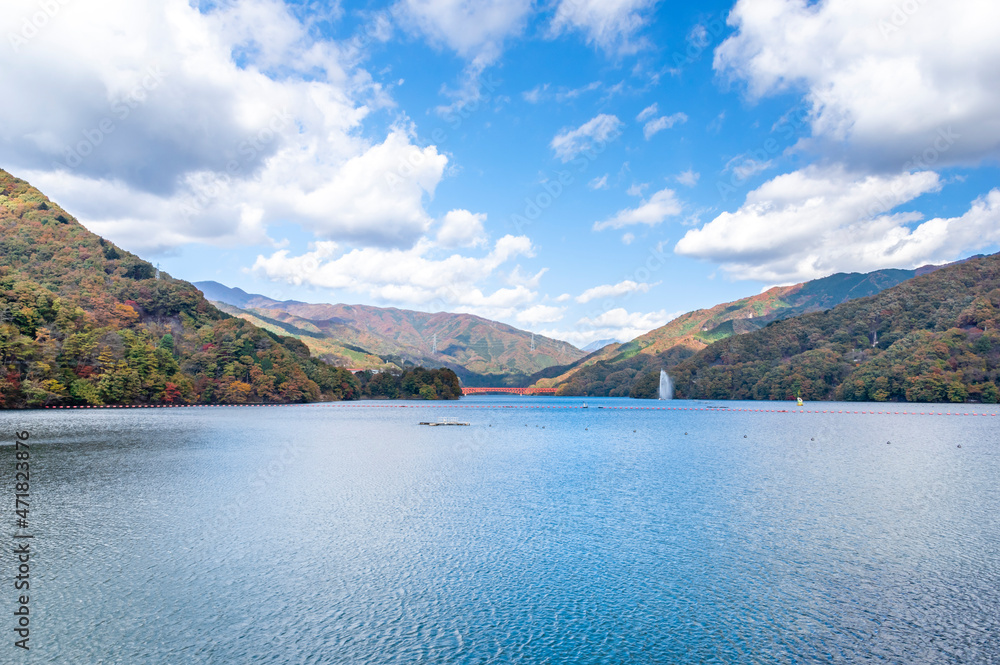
x=464, y=342
x=599, y=344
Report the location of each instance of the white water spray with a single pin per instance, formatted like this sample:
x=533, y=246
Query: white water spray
x=666, y=386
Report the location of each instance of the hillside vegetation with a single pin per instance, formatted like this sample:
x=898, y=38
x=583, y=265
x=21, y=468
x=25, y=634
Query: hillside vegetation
x=620, y=370
x=481, y=351
x=933, y=338
x=85, y=322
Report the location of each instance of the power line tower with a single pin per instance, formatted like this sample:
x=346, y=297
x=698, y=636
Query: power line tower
x=157, y=271
x=532, y=341
x=435, y=343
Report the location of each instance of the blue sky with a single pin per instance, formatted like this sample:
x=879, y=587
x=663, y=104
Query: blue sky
x=581, y=168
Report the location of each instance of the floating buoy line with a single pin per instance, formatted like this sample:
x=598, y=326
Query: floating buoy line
x=425, y=405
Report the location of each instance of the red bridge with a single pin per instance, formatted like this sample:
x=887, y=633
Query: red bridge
x=513, y=391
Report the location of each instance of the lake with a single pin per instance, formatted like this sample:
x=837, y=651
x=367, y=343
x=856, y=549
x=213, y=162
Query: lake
x=543, y=532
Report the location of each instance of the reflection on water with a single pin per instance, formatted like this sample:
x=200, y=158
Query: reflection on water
x=352, y=535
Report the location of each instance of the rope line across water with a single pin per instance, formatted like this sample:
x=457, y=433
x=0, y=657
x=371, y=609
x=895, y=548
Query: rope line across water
x=340, y=405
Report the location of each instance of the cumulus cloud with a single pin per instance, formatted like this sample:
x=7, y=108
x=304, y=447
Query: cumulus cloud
x=657, y=125
x=688, y=178
x=821, y=220
x=882, y=81
x=461, y=228
x=534, y=95
x=540, y=314
x=376, y=197
x=613, y=324
x=660, y=206
x=251, y=118
x=612, y=290
x=612, y=25
x=415, y=276
x=474, y=30
x=517, y=278
x=648, y=112
x=570, y=143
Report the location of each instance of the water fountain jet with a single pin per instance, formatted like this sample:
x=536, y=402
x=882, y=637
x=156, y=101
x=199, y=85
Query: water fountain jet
x=666, y=386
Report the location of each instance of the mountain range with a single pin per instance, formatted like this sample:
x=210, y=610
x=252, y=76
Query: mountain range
x=932, y=338
x=480, y=351
x=83, y=321
x=615, y=369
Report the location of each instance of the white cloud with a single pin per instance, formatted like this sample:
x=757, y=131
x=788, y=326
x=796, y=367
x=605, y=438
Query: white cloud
x=572, y=93
x=598, y=130
x=376, y=197
x=563, y=94
x=619, y=317
x=412, y=276
x=818, y=221
x=628, y=238
x=613, y=290
x=660, y=205
x=744, y=166
x=688, y=178
x=884, y=84
x=474, y=30
x=613, y=324
x=663, y=122
x=461, y=228
x=636, y=189
x=599, y=183
x=609, y=24
x=578, y=338
x=251, y=119
x=648, y=112
x=564, y=297
x=518, y=278
x=534, y=95
x=540, y=314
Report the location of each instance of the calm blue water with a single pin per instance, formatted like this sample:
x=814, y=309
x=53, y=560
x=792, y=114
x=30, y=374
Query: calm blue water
x=339, y=534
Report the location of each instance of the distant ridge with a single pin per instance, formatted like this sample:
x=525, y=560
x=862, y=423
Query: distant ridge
x=933, y=338
x=598, y=345
x=620, y=369
x=481, y=351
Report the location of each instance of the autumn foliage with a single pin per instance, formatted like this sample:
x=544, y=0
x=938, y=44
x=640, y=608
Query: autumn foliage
x=933, y=338
x=85, y=322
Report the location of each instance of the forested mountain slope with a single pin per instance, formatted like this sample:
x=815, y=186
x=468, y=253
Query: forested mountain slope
x=619, y=370
x=495, y=351
x=85, y=322
x=933, y=338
